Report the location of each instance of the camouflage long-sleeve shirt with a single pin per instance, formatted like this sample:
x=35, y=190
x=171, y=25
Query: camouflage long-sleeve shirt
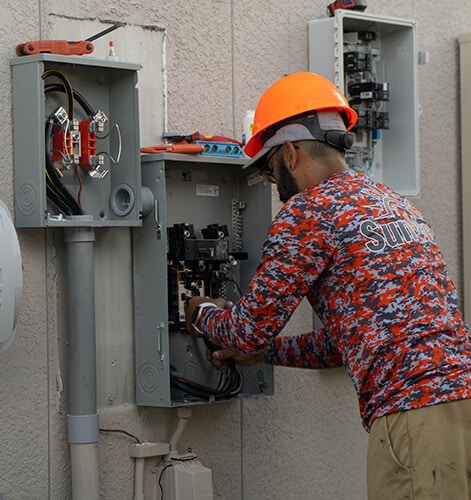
x=369, y=265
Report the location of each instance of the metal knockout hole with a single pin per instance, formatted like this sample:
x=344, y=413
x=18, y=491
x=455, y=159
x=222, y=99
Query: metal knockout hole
x=122, y=200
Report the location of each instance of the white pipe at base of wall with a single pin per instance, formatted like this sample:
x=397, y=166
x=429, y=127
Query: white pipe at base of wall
x=84, y=462
x=139, y=479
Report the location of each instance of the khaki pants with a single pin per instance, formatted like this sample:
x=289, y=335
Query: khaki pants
x=421, y=454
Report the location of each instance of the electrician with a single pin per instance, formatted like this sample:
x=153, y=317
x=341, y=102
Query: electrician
x=369, y=265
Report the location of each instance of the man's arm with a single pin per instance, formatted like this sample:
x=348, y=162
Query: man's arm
x=312, y=350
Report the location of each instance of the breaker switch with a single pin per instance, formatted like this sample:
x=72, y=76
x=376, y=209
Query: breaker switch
x=357, y=62
x=214, y=232
x=370, y=119
x=369, y=91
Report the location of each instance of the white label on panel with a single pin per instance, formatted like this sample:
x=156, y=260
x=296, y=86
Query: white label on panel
x=207, y=190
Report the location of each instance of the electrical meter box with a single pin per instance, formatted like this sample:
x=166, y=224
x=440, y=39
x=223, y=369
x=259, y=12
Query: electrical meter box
x=76, y=141
x=373, y=61
x=204, y=222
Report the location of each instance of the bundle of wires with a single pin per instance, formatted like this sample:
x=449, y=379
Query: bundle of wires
x=229, y=386
x=57, y=193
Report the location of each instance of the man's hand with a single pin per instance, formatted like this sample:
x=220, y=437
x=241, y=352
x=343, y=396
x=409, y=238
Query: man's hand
x=194, y=302
x=219, y=358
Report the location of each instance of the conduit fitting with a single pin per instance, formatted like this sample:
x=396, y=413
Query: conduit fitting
x=82, y=428
x=140, y=452
x=148, y=201
x=183, y=415
x=148, y=450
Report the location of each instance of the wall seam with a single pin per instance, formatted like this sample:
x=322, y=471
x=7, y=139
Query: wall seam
x=234, y=125
x=234, y=131
x=241, y=420
x=40, y=19
x=48, y=368
x=164, y=80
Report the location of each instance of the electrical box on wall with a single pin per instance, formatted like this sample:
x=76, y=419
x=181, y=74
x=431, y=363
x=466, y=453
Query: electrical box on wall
x=204, y=221
x=76, y=141
x=373, y=61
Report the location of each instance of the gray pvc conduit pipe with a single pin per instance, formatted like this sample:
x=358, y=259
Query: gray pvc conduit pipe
x=83, y=418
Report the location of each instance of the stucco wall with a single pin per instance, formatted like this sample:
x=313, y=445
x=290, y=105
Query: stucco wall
x=218, y=56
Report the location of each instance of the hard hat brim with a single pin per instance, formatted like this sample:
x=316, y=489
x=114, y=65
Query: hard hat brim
x=292, y=132
x=324, y=121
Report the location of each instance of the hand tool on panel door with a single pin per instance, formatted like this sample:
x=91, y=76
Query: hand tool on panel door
x=174, y=148
x=63, y=47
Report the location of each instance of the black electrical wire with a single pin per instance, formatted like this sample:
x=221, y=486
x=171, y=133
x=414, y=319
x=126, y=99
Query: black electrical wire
x=120, y=431
x=230, y=385
x=77, y=96
x=56, y=190
x=60, y=205
x=229, y=390
x=66, y=87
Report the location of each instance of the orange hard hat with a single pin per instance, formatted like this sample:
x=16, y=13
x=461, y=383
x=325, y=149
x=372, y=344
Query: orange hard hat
x=294, y=95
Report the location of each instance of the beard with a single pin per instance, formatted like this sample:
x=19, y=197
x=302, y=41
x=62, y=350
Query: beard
x=286, y=184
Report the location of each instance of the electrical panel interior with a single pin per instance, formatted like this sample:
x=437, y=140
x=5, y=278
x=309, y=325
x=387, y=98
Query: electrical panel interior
x=373, y=60
x=76, y=141
x=201, y=235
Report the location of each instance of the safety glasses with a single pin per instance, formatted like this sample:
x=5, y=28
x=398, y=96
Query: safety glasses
x=266, y=171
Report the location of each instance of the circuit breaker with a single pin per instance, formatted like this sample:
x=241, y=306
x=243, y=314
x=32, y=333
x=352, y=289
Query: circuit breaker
x=373, y=61
x=76, y=141
x=204, y=221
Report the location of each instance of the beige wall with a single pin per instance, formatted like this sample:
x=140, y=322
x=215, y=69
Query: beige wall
x=218, y=56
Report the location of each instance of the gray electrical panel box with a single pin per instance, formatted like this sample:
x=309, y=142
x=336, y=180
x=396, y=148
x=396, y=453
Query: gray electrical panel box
x=373, y=61
x=76, y=141
x=204, y=221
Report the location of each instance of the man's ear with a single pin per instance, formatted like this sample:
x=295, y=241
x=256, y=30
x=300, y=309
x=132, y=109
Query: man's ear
x=291, y=155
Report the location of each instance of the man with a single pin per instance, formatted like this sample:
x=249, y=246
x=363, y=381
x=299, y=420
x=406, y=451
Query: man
x=369, y=265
